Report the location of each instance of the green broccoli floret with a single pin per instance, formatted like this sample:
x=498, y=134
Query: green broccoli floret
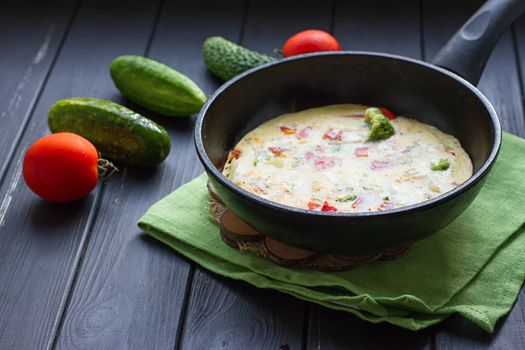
x=380, y=127
x=443, y=164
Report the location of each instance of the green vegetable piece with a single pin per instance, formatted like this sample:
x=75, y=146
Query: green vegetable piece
x=386, y=198
x=117, y=132
x=347, y=198
x=380, y=127
x=156, y=86
x=443, y=164
x=226, y=59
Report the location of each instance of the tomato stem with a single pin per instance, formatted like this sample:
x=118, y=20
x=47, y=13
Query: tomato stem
x=105, y=169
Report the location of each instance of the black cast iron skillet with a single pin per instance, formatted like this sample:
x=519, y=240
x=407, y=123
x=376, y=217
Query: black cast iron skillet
x=434, y=95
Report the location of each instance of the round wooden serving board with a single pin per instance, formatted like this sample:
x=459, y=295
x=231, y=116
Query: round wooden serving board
x=239, y=235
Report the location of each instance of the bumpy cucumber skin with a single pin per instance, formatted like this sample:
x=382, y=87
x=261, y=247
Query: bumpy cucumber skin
x=117, y=132
x=156, y=86
x=226, y=59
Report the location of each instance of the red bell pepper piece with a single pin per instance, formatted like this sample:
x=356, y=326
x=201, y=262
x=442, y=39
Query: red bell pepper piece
x=334, y=135
x=329, y=208
x=313, y=205
x=287, y=130
x=388, y=113
x=277, y=151
x=235, y=153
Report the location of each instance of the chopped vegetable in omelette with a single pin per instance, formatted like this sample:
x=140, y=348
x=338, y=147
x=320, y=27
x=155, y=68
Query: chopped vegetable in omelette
x=380, y=127
x=347, y=158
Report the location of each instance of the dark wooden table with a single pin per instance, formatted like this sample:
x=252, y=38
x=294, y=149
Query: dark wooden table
x=84, y=276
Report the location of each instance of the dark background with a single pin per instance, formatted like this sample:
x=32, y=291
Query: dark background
x=84, y=276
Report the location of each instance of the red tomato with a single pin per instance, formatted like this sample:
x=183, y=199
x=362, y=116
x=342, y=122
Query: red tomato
x=61, y=167
x=311, y=40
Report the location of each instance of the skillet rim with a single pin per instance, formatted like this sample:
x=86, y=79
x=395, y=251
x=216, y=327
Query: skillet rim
x=421, y=206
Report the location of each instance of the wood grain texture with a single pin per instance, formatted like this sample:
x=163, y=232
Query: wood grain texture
x=226, y=314
x=377, y=25
x=249, y=317
x=500, y=83
x=41, y=243
x=360, y=26
x=519, y=43
x=130, y=289
x=143, y=285
x=30, y=41
x=87, y=261
x=270, y=23
x=178, y=43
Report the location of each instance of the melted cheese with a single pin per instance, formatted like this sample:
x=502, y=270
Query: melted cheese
x=319, y=159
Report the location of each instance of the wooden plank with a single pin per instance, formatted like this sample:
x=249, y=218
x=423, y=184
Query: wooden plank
x=130, y=288
x=122, y=265
x=519, y=43
x=41, y=243
x=270, y=24
x=24, y=68
x=378, y=25
x=250, y=317
x=359, y=25
x=226, y=314
x=500, y=83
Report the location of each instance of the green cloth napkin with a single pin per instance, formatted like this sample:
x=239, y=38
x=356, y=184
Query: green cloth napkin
x=474, y=267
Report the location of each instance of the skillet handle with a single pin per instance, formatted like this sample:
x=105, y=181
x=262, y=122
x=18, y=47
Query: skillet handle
x=467, y=52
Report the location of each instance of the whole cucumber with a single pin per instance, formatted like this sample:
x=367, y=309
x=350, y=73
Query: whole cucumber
x=117, y=132
x=226, y=59
x=156, y=86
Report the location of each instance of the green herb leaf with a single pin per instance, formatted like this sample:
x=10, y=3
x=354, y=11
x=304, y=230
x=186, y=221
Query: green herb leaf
x=347, y=198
